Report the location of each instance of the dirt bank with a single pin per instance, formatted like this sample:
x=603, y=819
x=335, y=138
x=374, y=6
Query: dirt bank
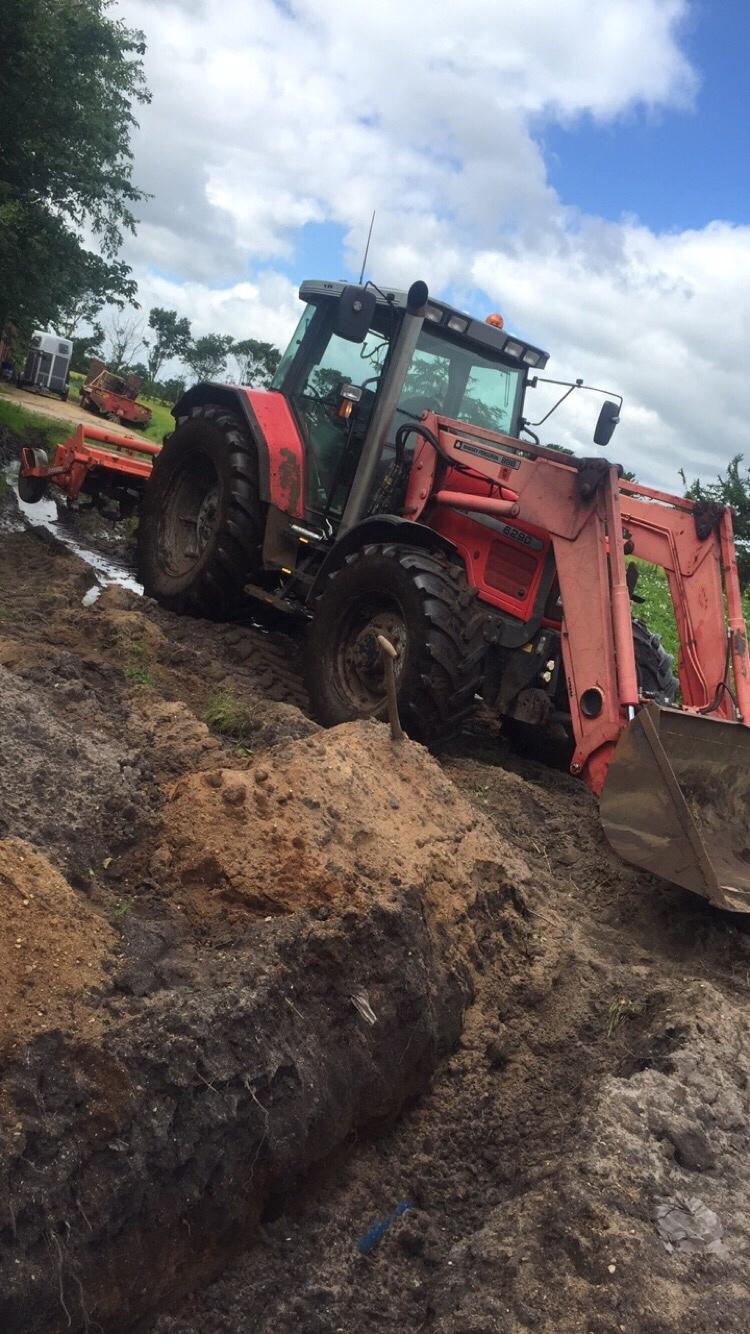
x=578, y=1163
x=275, y=986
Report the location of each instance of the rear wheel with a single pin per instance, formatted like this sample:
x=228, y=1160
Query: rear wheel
x=656, y=679
x=200, y=530
x=423, y=604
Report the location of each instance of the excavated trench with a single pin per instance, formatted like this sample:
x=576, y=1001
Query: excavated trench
x=384, y=1043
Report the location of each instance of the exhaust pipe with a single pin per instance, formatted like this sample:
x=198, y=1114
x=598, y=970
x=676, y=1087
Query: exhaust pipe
x=388, y=399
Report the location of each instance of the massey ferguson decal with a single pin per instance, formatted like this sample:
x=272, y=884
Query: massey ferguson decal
x=500, y=459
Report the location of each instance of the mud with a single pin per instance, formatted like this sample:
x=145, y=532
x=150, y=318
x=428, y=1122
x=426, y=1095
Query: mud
x=262, y=992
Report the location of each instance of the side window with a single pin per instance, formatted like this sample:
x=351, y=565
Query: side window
x=343, y=362
x=291, y=350
x=317, y=401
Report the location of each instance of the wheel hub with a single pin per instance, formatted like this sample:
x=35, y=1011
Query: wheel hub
x=206, y=519
x=362, y=667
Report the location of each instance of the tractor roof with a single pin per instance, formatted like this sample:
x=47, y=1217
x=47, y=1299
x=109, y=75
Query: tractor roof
x=440, y=315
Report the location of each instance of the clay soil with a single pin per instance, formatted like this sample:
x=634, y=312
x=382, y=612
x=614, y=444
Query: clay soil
x=302, y=1032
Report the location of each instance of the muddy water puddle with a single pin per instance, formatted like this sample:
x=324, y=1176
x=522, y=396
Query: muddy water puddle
x=108, y=569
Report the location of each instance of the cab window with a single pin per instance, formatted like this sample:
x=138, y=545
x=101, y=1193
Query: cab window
x=317, y=400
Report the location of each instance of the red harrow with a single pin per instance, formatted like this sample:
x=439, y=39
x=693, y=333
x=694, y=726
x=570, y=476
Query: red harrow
x=110, y=469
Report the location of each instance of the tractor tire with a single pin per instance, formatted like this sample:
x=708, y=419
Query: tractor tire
x=422, y=603
x=201, y=524
x=656, y=680
x=555, y=745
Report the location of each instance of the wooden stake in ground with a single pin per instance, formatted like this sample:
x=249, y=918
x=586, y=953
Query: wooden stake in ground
x=388, y=654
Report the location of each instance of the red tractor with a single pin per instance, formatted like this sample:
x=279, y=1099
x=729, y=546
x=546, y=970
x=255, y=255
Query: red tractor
x=388, y=484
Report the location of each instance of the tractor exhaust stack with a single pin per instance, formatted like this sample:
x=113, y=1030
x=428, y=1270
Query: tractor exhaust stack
x=388, y=398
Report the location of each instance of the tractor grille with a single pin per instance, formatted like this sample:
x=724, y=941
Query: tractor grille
x=509, y=569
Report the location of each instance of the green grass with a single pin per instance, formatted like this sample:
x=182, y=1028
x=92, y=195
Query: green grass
x=657, y=609
x=228, y=716
x=138, y=665
x=19, y=420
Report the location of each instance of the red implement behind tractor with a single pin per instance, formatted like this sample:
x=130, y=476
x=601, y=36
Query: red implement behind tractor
x=114, y=396
x=109, y=470
x=388, y=484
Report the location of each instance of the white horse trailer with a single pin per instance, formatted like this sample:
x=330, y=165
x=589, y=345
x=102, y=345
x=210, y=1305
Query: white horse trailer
x=48, y=363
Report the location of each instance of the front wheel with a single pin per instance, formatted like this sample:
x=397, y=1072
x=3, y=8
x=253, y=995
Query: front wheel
x=422, y=603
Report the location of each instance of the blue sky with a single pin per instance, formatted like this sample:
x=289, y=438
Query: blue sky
x=673, y=168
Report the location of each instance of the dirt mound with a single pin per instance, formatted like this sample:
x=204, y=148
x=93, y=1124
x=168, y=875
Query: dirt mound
x=597, y=1098
x=342, y=813
x=52, y=947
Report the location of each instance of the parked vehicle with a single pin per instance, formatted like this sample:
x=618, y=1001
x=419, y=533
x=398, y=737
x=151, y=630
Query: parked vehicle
x=114, y=396
x=47, y=364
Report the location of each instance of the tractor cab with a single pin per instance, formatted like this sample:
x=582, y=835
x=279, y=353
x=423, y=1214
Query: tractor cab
x=347, y=356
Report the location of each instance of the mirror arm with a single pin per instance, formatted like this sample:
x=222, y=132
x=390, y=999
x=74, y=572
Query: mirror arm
x=539, y=380
x=592, y=389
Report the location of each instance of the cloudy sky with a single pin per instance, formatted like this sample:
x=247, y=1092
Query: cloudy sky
x=579, y=166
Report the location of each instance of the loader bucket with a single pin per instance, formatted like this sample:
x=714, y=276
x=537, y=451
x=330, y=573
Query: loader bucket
x=676, y=802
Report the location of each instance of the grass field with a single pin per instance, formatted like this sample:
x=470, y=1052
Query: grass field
x=18, y=419
x=161, y=422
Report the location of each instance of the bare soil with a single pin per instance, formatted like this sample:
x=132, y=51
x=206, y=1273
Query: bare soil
x=307, y=1032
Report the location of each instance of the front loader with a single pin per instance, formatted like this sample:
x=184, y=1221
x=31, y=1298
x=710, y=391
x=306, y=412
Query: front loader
x=388, y=484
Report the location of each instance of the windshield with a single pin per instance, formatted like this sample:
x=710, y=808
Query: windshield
x=459, y=382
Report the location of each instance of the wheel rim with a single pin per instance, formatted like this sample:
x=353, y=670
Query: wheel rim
x=357, y=662
x=190, y=515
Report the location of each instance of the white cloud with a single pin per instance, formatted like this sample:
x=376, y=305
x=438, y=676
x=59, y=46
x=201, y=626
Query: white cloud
x=270, y=115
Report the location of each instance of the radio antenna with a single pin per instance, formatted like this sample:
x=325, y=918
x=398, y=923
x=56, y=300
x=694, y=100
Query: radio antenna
x=367, y=247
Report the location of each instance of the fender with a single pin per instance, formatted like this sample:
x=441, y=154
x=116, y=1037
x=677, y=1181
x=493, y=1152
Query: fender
x=380, y=528
x=274, y=432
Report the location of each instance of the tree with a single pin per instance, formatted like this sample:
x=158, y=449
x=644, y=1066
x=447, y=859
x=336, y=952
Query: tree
x=81, y=311
x=124, y=331
x=171, y=338
x=169, y=390
x=65, y=158
x=206, y=357
x=730, y=488
x=256, y=362
x=87, y=346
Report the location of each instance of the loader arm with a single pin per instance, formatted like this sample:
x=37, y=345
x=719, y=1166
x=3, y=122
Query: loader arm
x=657, y=808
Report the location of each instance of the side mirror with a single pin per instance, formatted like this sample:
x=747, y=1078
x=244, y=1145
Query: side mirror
x=354, y=312
x=606, y=423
